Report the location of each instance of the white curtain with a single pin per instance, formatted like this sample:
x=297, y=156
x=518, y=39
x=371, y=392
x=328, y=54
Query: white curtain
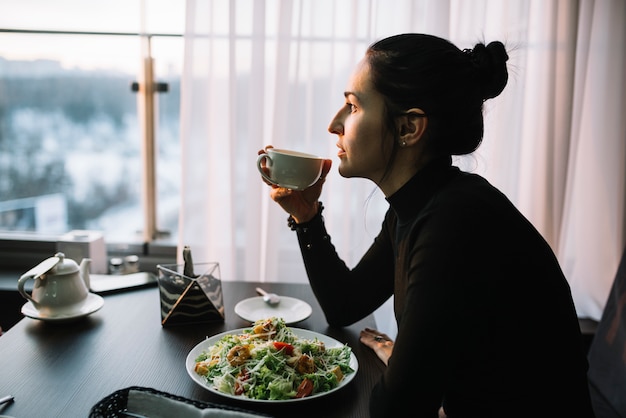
x=261, y=72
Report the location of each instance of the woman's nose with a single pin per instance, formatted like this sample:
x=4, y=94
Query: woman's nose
x=336, y=126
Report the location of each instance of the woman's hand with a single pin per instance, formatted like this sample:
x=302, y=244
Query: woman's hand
x=301, y=205
x=379, y=342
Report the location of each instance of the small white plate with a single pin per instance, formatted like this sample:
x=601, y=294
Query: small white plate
x=290, y=309
x=92, y=304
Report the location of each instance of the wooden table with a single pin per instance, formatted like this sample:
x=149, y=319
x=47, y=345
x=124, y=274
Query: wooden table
x=63, y=369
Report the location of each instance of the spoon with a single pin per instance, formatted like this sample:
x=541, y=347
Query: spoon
x=271, y=299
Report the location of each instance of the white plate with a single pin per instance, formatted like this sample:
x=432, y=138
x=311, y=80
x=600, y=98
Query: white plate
x=301, y=333
x=92, y=304
x=289, y=309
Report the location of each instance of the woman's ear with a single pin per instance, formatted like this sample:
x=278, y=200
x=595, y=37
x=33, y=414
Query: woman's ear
x=412, y=126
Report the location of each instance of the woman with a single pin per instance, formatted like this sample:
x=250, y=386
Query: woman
x=486, y=322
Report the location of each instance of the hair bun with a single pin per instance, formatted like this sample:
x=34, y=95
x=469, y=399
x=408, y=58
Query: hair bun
x=490, y=65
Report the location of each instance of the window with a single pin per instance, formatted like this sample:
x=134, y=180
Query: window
x=71, y=126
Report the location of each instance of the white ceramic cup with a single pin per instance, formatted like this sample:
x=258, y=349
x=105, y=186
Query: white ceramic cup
x=290, y=169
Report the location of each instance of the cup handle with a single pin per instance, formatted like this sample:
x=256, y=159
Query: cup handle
x=20, y=287
x=260, y=158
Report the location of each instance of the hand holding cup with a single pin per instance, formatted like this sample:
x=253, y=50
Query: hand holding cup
x=289, y=169
x=299, y=203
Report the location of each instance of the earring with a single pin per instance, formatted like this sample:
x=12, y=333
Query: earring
x=403, y=144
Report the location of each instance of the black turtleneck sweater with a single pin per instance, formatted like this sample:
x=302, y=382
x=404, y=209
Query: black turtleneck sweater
x=486, y=322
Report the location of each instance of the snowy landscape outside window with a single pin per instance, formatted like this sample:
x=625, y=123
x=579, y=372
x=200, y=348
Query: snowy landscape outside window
x=70, y=129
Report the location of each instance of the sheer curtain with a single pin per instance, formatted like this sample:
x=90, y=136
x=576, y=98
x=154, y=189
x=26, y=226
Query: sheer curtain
x=261, y=72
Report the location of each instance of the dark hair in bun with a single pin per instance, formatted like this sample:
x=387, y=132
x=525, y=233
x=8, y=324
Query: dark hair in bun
x=490, y=66
x=449, y=85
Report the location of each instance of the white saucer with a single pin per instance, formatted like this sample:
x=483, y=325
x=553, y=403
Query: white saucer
x=290, y=309
x=92, y=304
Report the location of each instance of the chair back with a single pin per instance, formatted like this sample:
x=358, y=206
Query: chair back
x=607, y=354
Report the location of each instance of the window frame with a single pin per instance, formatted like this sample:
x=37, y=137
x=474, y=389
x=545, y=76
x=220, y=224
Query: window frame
x=22, y=250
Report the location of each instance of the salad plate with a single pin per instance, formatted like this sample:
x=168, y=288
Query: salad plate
x=290, y=309
x=203, y=346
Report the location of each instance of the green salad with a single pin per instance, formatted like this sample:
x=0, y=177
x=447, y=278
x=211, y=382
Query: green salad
x=269, y=362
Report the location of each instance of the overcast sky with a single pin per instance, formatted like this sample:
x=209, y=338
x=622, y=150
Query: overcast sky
x=162, y=16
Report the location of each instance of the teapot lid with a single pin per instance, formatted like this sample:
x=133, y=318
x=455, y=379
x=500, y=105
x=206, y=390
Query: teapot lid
x=53, y=265
x=64, y=265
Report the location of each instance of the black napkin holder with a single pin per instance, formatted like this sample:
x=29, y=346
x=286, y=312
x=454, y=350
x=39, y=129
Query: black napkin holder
x=190, y=300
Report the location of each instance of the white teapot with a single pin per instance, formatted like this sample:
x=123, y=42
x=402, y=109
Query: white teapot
x=61, y=285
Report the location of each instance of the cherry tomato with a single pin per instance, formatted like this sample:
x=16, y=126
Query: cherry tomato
x=279, y=345
x=305, y=388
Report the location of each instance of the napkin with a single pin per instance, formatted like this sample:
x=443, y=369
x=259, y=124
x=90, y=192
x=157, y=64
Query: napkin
x=188, y=260
x=155, y=406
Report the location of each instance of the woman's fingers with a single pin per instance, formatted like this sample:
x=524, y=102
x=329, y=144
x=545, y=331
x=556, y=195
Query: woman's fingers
x=279, y=193
x=379, y=342
x=326, y=167
x=369, y=334
x=263, y=151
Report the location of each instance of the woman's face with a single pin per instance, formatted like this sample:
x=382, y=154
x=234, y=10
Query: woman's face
x=361, y=130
